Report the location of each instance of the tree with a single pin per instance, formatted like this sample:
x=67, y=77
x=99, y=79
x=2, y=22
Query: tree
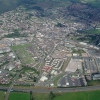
x=60, y=25
x=31, y=97
x=35, y=79
x=51, y=95
x=31, y=93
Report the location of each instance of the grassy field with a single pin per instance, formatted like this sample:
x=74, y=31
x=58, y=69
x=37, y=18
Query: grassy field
x=88, y=95
x=78, y=51
x=93, y=83
x=91, y=95
x=20, y=46
x=93, y=31
x=19, y=96
x=2, y=95
x=94, y=3
x=23, y=54
x=40, y=96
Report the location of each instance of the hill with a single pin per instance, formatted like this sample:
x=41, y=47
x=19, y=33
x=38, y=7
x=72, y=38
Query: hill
x=6, y=5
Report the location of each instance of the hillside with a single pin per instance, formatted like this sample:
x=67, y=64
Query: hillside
x=6, y=5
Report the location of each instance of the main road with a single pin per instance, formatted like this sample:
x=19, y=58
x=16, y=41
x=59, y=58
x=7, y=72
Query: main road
x=55, y=90
x=11, y=86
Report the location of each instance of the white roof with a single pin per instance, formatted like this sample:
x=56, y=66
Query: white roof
x=73, y=65
x=0, y=72
x=43, y=78
x=52, y=72
x=75, y=54
x=67, y=83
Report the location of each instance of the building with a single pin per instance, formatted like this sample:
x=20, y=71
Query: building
x=46, y=68
x=90, y=65
x=73, y=65
x=72, y=81
x=43, y=78
x=96, y=76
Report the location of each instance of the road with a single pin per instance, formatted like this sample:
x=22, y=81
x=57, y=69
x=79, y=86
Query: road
x=55, y=90
x=11, y=86
x=14, y=54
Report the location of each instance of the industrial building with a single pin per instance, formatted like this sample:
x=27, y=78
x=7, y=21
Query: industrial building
x=73, y=65
x=72, y=80
x=90, y=65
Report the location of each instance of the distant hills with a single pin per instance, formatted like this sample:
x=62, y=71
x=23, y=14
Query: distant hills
x=6, y=5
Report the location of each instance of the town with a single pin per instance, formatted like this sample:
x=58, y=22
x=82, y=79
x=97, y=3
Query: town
x=37, y=51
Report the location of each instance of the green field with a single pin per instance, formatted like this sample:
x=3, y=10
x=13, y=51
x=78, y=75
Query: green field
x=89, y=95
x=78, y=51
x=20, y=46
x=93, y=83
x=2, y=95
x=23, y=54
x=93, y=31
x=94, y=3
x=40, y=96
x=19, y=96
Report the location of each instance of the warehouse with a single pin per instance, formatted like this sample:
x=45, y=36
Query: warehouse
x=73, y=65
x=71, y=81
